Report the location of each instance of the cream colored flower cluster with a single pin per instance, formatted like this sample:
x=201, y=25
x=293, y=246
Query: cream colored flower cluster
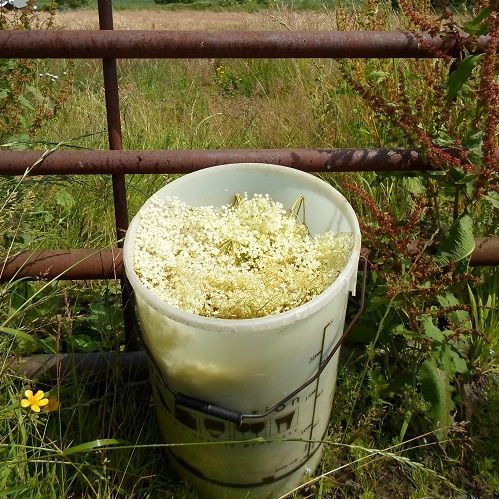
x=249, y=259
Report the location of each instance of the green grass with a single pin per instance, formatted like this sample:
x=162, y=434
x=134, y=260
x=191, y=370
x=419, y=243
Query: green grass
x=191, y=105
x=38, y=452
x=215, y=104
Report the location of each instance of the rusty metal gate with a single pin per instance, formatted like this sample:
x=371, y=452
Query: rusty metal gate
x=110, y=45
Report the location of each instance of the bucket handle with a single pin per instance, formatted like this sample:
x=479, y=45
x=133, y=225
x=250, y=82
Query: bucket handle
x=182, y=400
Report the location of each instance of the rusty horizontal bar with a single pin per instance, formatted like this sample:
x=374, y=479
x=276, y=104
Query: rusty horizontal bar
x=128, y=366
x=107, y=264
x=227, y=44
x=77, y=264
x=486, y=251
x=167, y=161
x=131, y=366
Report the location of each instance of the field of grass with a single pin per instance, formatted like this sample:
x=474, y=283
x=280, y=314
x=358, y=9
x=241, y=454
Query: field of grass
x=103, y=441
x=212, y=5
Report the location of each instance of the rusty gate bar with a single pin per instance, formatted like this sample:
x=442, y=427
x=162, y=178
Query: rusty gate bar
x=113, y=123
x=108, y=264
x=167, y=161
x=110, y=74
x=68, y=264
x=130, y=366
x=127, y=44
x=109, y=45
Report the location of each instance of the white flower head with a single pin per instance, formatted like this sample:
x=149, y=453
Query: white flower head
x=245, y=260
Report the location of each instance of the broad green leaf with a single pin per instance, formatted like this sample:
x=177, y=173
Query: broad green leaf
x=18, y=334
x=378, y=76
x=461, y=74
x=18, y=491
x=460, y=365
x=29, y=343
x=444, y=138
x=22, y=291
x=84, y=343
x=431, y=330
x=473, y=143
x=476, y=26
x=400, y=330
x=36, y=93
x=452, y=362
x=436, y=389
x=493, y=198
x=64, y=198
x=25, y=102
x=449, y=300
x=93, y=445
x=414, y=185
x=457, y=242
x=473, y=139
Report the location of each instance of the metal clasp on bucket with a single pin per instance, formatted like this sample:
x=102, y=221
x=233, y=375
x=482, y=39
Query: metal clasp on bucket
x=233, y=416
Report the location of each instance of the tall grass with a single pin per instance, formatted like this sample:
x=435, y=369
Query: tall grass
x=198, y=105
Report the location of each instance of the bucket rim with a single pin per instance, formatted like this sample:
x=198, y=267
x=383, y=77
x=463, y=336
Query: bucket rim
x=346, y=278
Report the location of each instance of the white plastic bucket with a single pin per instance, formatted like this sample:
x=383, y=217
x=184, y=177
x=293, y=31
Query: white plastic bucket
x=248, y=365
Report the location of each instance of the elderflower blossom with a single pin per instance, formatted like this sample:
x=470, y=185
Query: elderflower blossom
x=246, y=260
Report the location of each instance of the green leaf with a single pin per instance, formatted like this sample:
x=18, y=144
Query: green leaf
x=25, y=102
x=457, y=242
x=21, y=292
x=18, y=142
x=444, y=138
x=461, y=74
x=378, y=76
x=405, y=425
x=449, y=300
x=452, y=362
x=18, y=491
x=36, y=94
x=476, y=26
x=84, y=343
x=30, y=343
x=93, y=445
x=493, y=198
x=431, y=330
x=460, y=364
x=436, y=390
x=473, y=143
x=414, y=185
x=64, y=198
x=401, y=330
x=18, y=334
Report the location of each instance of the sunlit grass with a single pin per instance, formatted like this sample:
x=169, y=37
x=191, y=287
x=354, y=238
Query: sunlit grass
x=184, y=105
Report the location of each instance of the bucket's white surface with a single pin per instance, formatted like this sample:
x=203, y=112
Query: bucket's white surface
x=249, y=365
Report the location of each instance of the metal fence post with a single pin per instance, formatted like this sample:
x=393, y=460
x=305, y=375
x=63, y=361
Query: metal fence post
x=119, y=187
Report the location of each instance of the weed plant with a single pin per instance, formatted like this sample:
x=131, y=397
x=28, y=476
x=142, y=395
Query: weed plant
x=415, y=413
x=423, y=295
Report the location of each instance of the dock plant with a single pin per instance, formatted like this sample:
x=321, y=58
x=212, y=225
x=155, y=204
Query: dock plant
x=420, y=252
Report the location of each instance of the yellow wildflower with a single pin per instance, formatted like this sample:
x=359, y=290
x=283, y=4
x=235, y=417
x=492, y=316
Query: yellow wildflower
x=34, y=401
